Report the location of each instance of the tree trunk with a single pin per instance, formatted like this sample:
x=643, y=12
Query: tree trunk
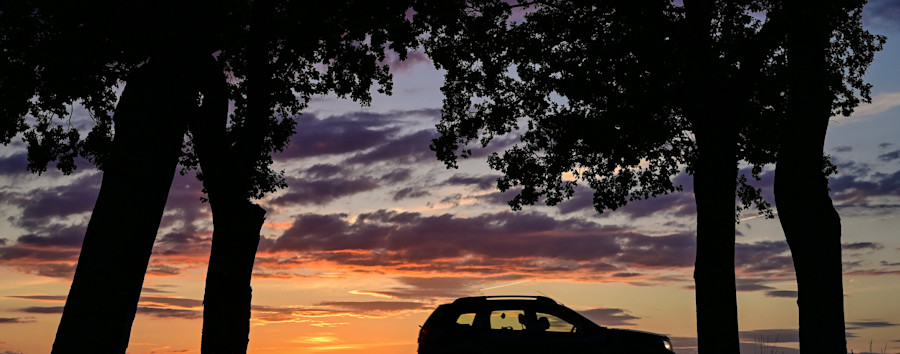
x=714, y=276
x=237, y=223
x=811, y=224
x=102, y=301
x=227, y=176
x=226, y=303
x=715, y=173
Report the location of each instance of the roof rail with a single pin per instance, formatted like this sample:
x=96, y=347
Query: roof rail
x=503, y=297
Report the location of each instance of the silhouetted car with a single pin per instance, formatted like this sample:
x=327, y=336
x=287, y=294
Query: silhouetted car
x=527, y=324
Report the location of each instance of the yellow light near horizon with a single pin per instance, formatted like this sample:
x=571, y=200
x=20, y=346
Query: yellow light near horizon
x=371, y=293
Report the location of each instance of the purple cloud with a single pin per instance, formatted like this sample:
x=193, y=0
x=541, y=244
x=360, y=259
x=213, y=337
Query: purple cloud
x=163, y=270
x=497, y=144
x=17, y=252
x=782, y=293
x=338, y=135
x=870, y=324
x=481, y=182
x=763, y=257
x=397, y=175
x=351, y=132
x=322, y=171
x=676, y=203
x=41, y=205
x=498, y=198
x=410, y=193
x=159, y=312
x=488, y=243
x=180, y=238
x=676, y=250
x=14, y=165
x=882, y=14
x=746, y=284
x=319, y=192
x=16, y=320
x=50, y=250
x=862, y=245
x=183, y=205
x=42, y=309
x=852, y=189
x=154, y=291
x=54, y=236
x=411, y=148
x=843, y=148
x=890, y=156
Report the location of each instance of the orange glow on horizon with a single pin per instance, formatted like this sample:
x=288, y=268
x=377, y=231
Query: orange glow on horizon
x=283, y=225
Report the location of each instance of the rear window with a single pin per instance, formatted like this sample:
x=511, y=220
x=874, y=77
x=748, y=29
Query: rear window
x=466, y=319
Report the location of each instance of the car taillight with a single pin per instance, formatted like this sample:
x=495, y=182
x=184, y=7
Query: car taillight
x=423, y=335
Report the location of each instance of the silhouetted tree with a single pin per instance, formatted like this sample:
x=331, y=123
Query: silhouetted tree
x=816, y=90
x=173, y=57
x=285, y=42
x=58, y=52
x=622, y=95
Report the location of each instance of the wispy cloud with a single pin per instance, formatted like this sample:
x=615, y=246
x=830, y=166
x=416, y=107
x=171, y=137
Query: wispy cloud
x=320, y=192
x=880, y=103
x=15, y=320
x=782, y=293
x=870, y=324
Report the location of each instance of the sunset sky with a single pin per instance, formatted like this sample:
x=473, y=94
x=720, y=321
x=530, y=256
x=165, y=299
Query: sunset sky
x=373, y=233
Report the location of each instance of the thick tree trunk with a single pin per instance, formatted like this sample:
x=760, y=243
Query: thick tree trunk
x=226, y=303
x=237, y=221
x=119, y=239
x=714, y=275
x=715, y=173
x=811, y=224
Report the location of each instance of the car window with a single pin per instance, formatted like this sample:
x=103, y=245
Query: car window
x=466, y=319
x=556, y=324
x=507, y=319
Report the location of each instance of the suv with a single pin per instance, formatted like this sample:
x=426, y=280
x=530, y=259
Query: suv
x=527, y=324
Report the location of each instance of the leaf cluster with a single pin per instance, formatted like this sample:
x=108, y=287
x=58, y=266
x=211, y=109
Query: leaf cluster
x=599, y=92
x=60, y=53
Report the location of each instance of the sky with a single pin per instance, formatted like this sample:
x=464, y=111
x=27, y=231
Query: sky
x=373, y=233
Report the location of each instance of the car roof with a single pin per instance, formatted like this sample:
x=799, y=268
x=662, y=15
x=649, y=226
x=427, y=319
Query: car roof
x=476, y=300
x=481, y=303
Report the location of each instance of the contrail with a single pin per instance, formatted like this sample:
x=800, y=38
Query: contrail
x=505, y=285
x=757, y=216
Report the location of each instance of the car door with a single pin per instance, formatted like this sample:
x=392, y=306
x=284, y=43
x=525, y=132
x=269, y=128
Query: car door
x=564, y=335
x=501, y=332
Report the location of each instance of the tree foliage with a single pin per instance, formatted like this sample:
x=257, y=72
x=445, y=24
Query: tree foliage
x=338, y=47
x=598, y=91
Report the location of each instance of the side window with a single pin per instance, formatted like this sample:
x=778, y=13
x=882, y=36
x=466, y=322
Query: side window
x=555, y=324
x=466, y=319
x=507, y=319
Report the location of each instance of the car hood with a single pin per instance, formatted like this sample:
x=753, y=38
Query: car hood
x=632, y=341
x=633, y=333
